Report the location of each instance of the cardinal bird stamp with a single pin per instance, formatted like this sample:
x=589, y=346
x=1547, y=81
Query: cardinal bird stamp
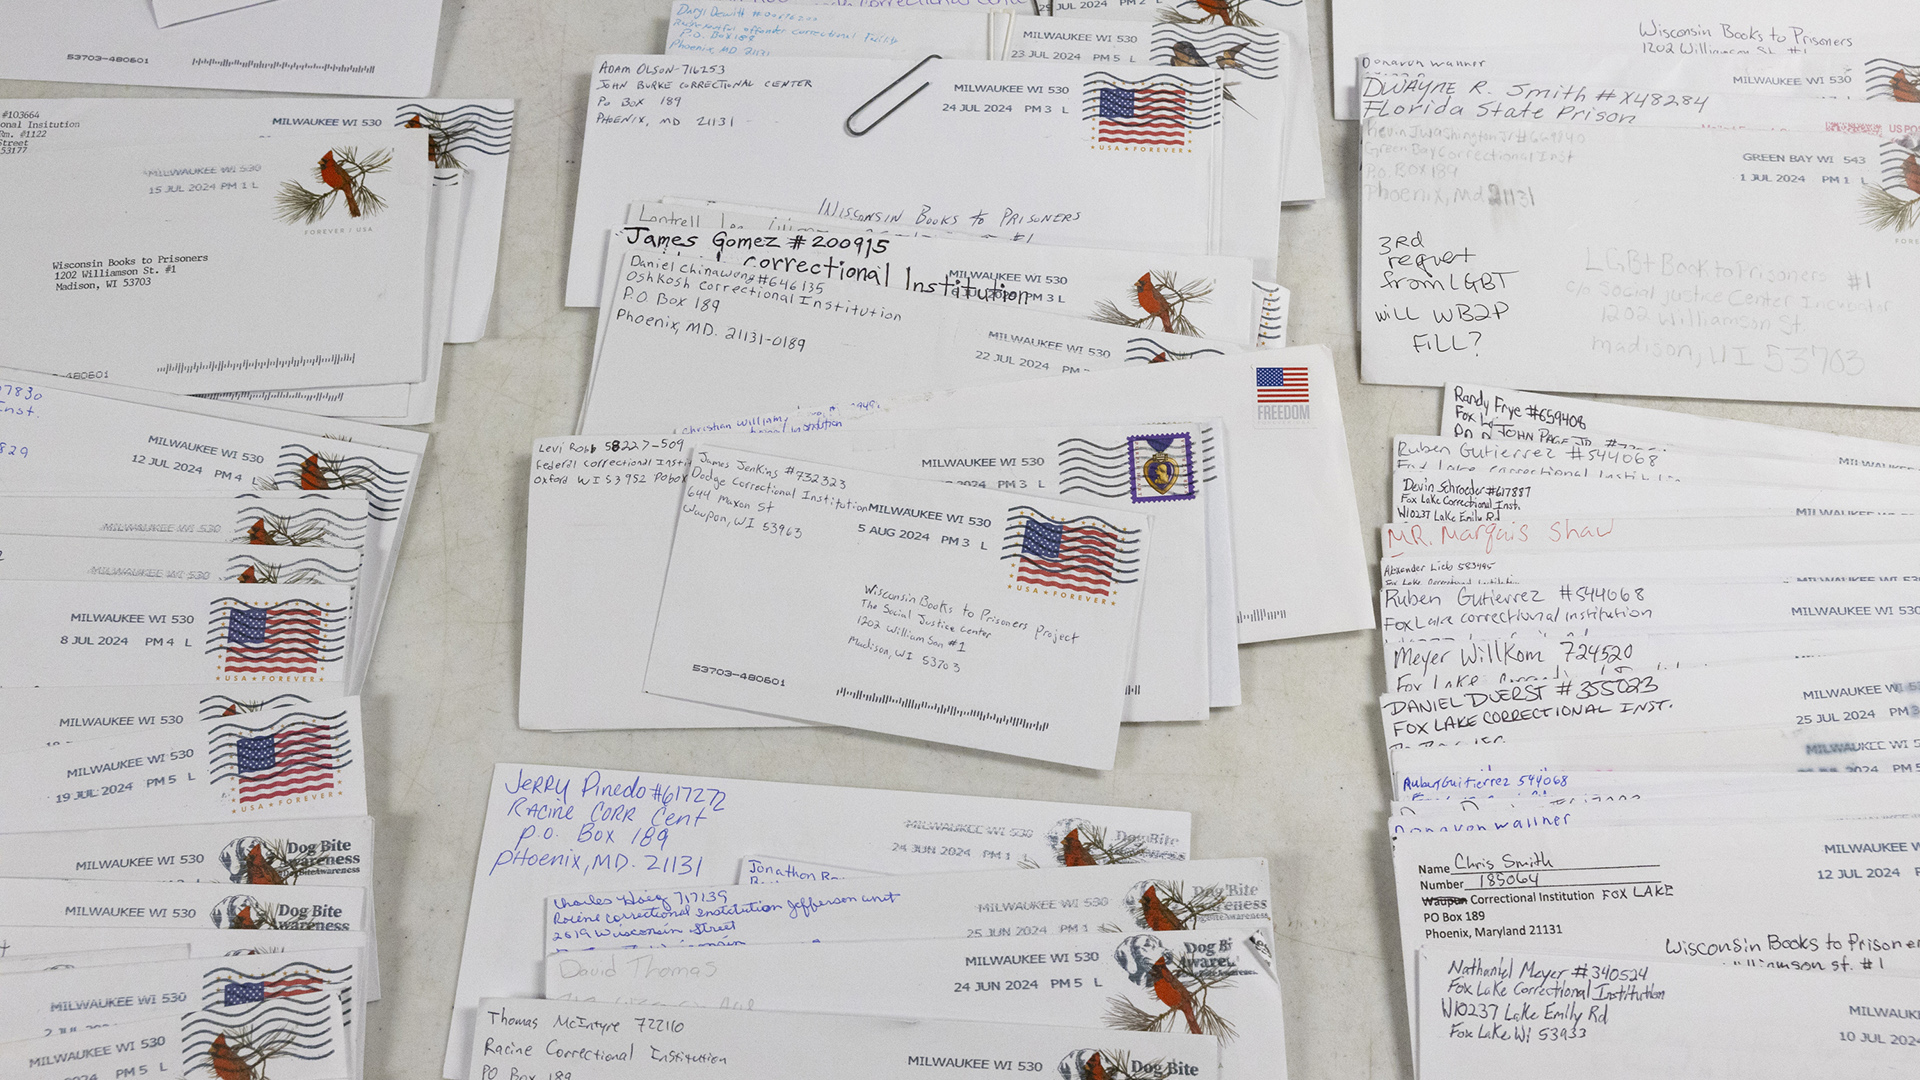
x=1110, y=1064
x=1079, y=842
x=1162, y=301
x=1160, y=467
x=1176, y=985
x=1165, y=905
x=1891, y=80
x=303, y=468
x=342, y=176
x=1894, y=203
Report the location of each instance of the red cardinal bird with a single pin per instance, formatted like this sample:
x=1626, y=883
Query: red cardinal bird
x=1156, y=913
x=1153, y=303
x=1910, y=172
x=1903, y=88
x=1073, y=852
x=248, y=577
x=1173, y=993
x=257, y=533
x=311, y=478
x=1160, y=358
x=243, y=920
x=258, y=872
x=336, y=178
x=226, y=1061
x=1096, y=1069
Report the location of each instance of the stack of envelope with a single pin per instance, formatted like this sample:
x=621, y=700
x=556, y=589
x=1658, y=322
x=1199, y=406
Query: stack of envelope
x=192, y=589
x=1004, y=368
x=1652, y=711
x=215, y=311
x=887, y=930
x=312, y=254
x=1514, y=235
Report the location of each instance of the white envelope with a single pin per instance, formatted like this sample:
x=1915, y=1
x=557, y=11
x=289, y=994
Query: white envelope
x=1029, y=904
x=119, y=903
x=332, y=851
x=1011, y=615
x=750, y=332
x=141, y=1048
x=470, y=135
x=1257, y=83
x=1195, y=295
x=1199, y=982
x=89, y=437
x=600, y=1042
x=1501, y=1015
x=1523, y=457
x=138, y=954
x=1677, y=29
x=49, y=715
x=604, y=501
x=200, y=942
x=1439, y=499
x=1272, y=301
x=103, y=558
x=326, y=519
x=1868, y=796
x=1449, y=789
x=1441, y=661
x=1606, y=86
x=1563, y=276
x=1490, y=412
x=296, y=761
x=1561, y=605
x=407, y=402
x=551, y=828
x=1866, y=746
x=1306, y=179
x=300, y=1004
x=1805, y=691
x=1753, y=563
x=974, y=147
x=1413, y=542
x=1796, y=895
x=346, y=47
x=178, y=231
x=1299, y=568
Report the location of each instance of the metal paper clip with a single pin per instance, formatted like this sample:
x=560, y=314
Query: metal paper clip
x=848, y=123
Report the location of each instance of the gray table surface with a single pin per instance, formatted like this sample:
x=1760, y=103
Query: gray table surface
x=1295, y=775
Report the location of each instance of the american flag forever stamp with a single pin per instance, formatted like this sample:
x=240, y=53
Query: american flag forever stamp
x=1157, y=113
x=1079, y=558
